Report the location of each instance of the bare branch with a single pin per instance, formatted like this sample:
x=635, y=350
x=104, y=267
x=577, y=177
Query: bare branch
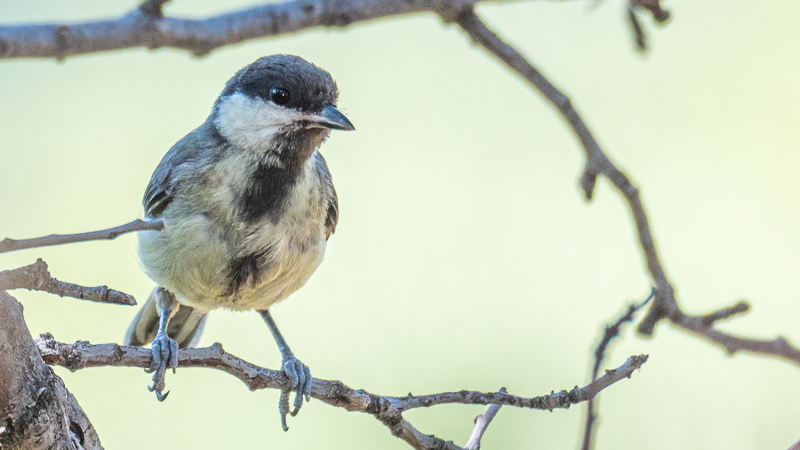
x=779, y=347
x=400, y=428
x=609, y=334
x=36, y=277
x=637, y=28
x=659, y=14
x=9, y=245
x=482, y=424
x=725, y=313
x=388, y=410
x=146, y=27
x=83, y=354
x=598, y=163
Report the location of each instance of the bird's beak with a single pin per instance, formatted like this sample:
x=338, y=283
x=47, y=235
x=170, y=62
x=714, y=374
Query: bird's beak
x=330, y=117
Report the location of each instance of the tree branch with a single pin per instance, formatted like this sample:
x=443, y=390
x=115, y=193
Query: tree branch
x=388, y=410
x=611, y=331
x=36, y=410
x=36, y=277
x=9, y=245
x=598, y=163
x=779, y=347
x=147, y=27
x=482, y=424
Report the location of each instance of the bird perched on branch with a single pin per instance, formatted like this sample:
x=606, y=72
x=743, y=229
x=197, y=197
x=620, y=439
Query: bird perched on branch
x=249, y=205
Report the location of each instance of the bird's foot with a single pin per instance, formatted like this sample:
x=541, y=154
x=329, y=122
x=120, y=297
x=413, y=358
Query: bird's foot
x=300, y=380
x=165, y=355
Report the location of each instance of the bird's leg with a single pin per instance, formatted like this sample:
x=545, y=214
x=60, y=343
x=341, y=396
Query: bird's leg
x=165, y=349
x=298, y=373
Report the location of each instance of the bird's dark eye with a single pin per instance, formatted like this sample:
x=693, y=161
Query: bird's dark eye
x=279, y=96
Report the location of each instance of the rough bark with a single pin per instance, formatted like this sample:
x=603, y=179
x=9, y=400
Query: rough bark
x=37, y=411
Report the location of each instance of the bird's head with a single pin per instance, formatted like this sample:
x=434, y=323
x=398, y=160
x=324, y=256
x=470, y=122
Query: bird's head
x=280, y=104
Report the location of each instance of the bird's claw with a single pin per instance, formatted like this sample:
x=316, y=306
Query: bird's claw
x=300, y=379
x=165, y=355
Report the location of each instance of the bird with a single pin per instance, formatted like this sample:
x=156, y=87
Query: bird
x=248, y=204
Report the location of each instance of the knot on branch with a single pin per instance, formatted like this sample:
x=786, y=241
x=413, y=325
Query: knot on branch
x=553, y=401
x=392, y=421
x=54, y=352
x=333, y=19
x=664, y=307
x=153, y=8
x=452, y=14
x=377, y=405
x=63, y=41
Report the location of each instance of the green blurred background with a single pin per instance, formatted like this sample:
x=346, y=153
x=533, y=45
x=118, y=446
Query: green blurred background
x=465, y=257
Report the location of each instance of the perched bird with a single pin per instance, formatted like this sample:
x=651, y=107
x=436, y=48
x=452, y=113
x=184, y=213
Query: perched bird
x=249, y=205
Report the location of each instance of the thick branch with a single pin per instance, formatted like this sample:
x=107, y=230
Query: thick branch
x=386, y=409
x=8, y=245
x=36, y=410
x=146, y=27
x=36, y=277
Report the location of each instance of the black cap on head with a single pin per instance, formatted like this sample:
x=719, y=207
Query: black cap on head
x=288, y=80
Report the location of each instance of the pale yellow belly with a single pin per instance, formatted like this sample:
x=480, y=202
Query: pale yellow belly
x=191, y=261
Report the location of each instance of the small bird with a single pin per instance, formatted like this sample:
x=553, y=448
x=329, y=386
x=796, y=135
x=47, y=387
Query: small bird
x=248, y=204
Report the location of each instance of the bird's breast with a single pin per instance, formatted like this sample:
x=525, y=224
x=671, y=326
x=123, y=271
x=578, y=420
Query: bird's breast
x=213, y=257
x=281, y=246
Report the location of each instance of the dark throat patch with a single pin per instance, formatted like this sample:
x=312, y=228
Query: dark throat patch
x=270, y=184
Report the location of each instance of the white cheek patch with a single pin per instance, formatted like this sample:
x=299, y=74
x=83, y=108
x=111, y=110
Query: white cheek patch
x=250, y=122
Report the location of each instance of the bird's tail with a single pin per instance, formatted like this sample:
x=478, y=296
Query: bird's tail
x=185, y=326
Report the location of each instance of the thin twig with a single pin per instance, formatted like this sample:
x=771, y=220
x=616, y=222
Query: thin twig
x=388, y=410
x=482, y=423
x=659, y=14
x=725, y=313
x=37, y=277
x=664, y=305
x=610, y=332
x=778, y=347
x=8, y=245
x=637, y=28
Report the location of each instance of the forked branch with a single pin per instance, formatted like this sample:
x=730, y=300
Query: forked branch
x=37, y=277
x=388, y=410
x=665, y=305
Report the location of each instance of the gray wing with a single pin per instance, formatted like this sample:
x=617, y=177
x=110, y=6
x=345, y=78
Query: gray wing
x=161, y=189
x=333, y=214
x=330, y=196
x=163, y=183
